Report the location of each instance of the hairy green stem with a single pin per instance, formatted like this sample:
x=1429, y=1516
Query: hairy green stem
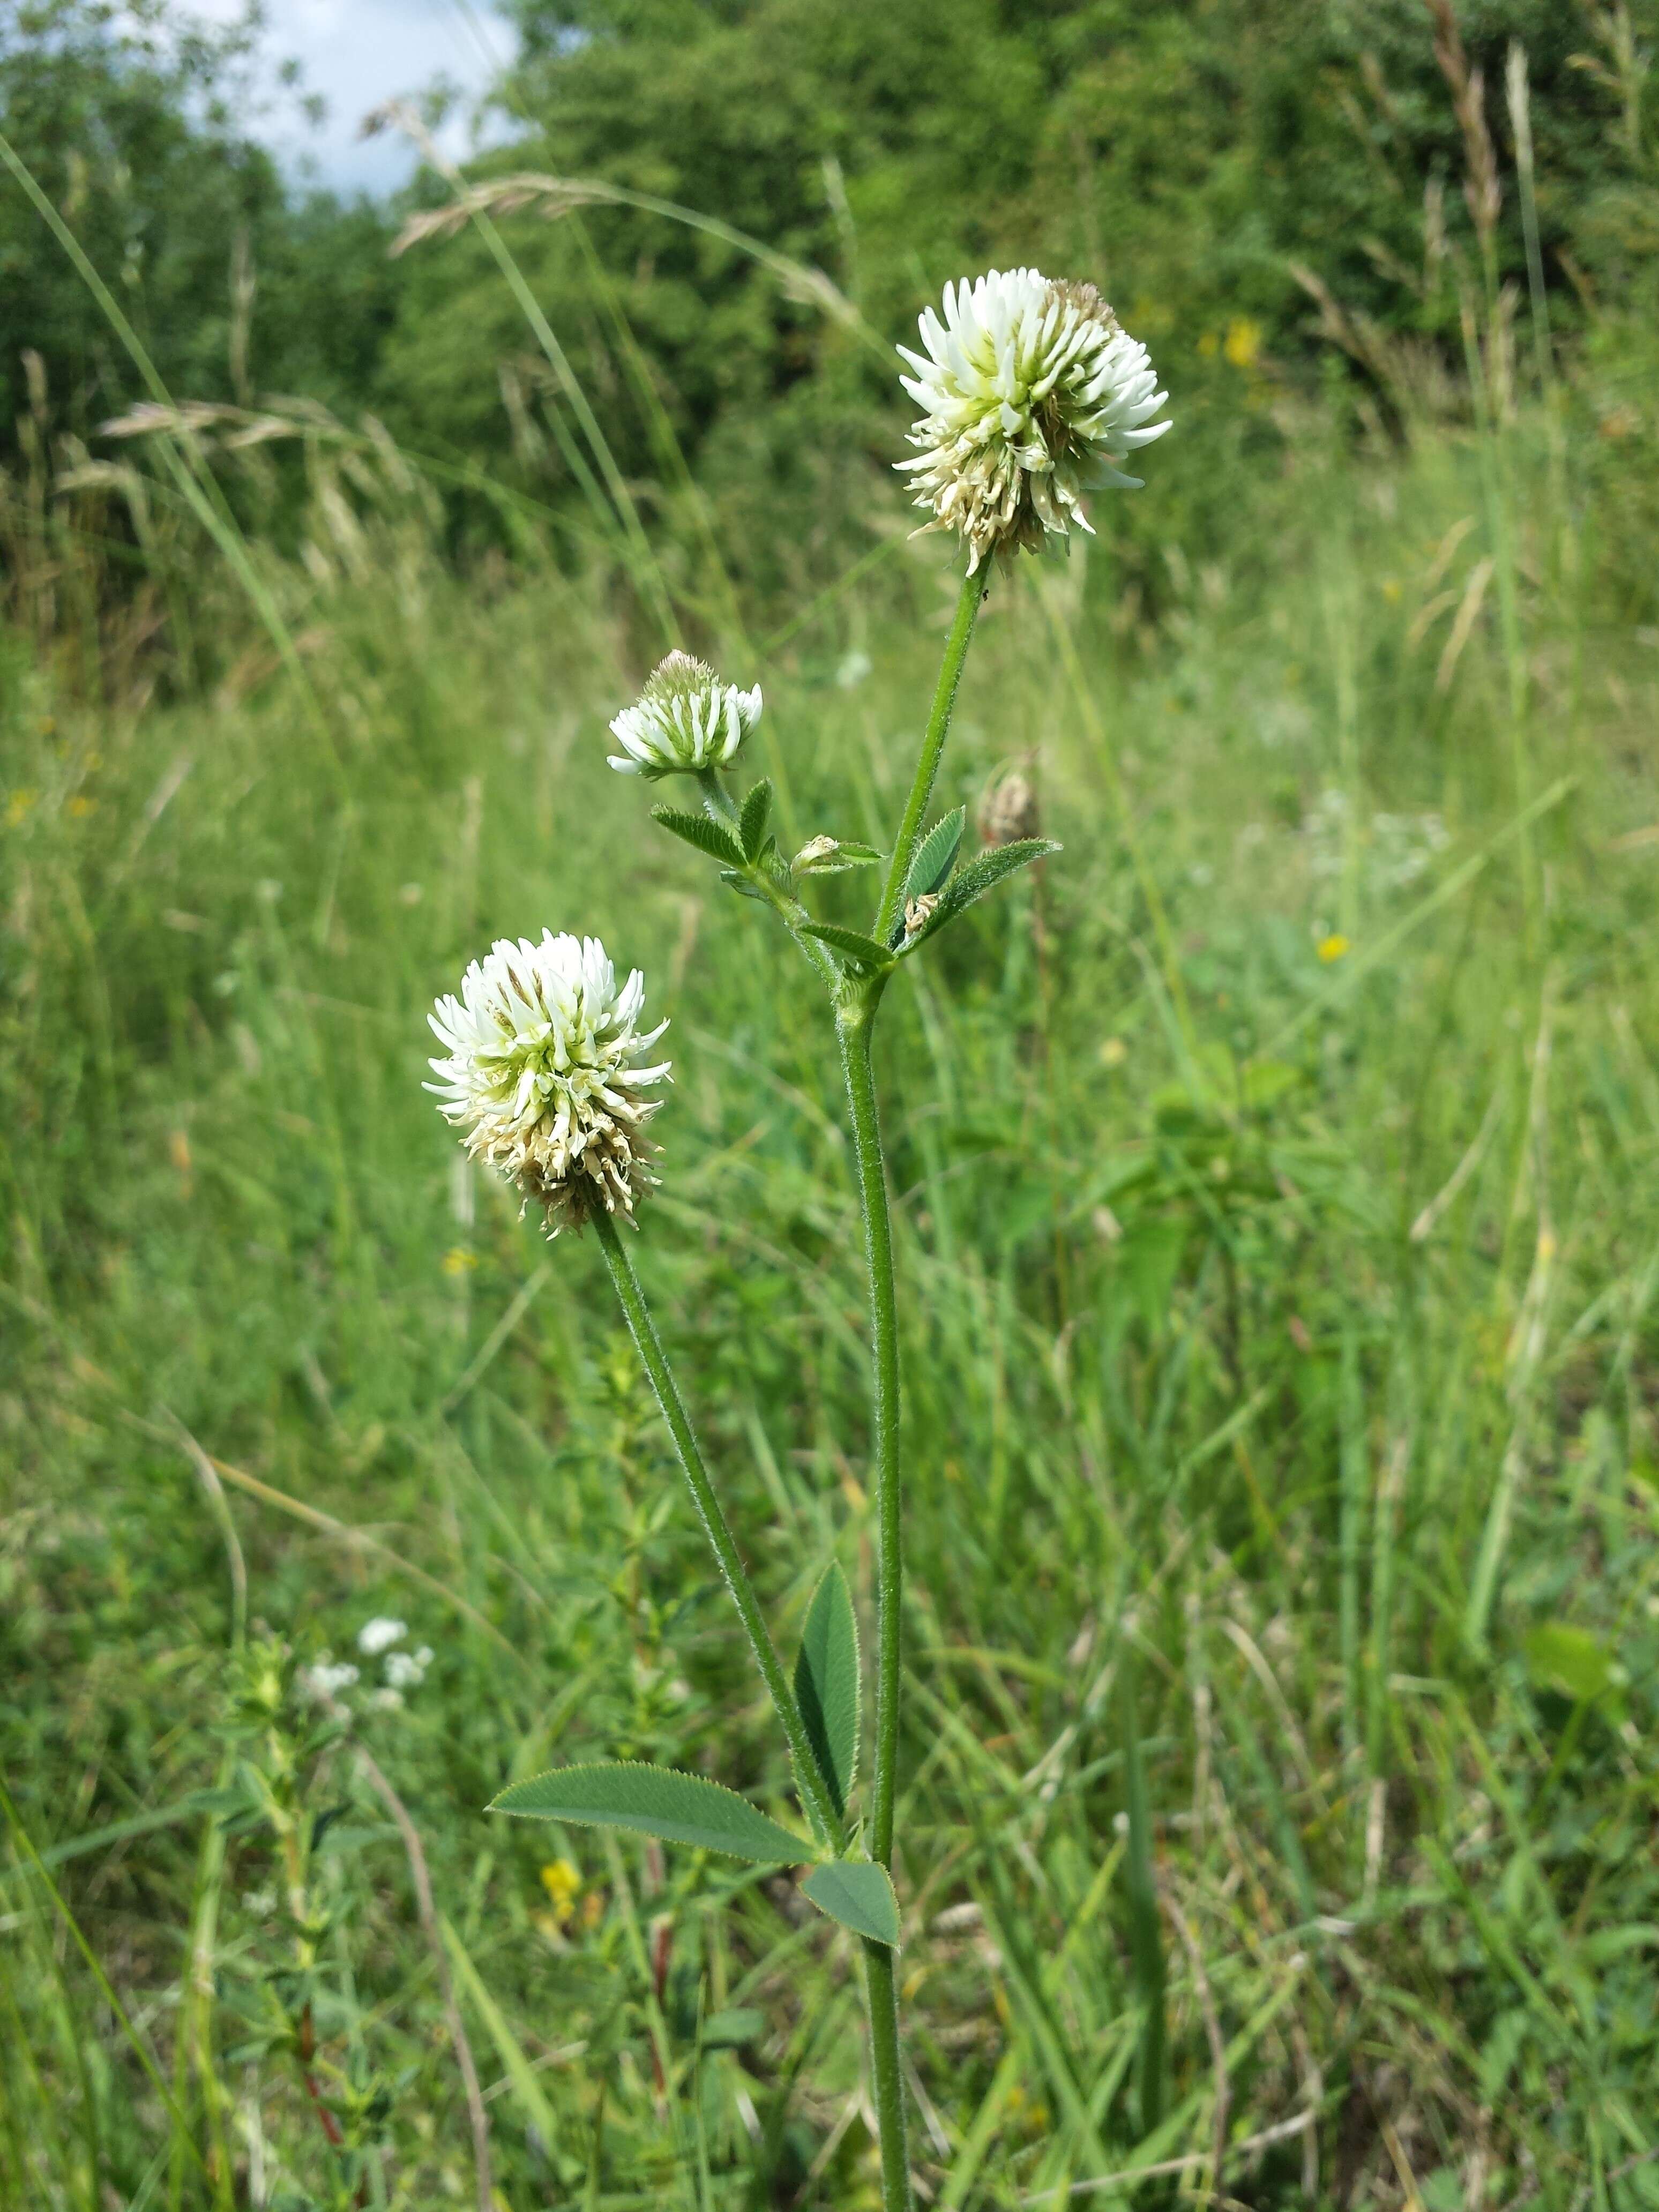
x=814, y=1795
x=887, y=2079
x=718, y=805
x=974, y=589
x=855, y=1014
x=854, y=1021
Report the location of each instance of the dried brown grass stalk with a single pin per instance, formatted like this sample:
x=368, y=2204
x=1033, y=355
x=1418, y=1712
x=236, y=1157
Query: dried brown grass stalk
x=1480, y=187
x=552, y=196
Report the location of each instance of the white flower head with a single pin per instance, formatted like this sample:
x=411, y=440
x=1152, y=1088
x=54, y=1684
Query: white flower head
x=1031, y=393
x=543, y=1072
x=686, y=720
x=380, y=1634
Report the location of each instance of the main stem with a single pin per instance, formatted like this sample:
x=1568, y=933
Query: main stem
x=813, y=1794
x=855, y=1014
x=854, y=1021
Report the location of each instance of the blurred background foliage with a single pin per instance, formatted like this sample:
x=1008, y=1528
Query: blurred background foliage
x=1206, y=163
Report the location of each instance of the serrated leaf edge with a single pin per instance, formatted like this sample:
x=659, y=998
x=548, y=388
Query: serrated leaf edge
x=702, y=833
x=963, y=892
x=939, y=875
x=849, y=1781
x=851, y=944
x=824, y=1866
x=808, y=1856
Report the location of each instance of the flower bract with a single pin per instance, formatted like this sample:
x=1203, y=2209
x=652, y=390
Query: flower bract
x=542, y=1071
x=686, y=720
x=1032, y=392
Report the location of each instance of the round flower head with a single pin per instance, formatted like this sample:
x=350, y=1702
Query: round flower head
x=541, y=1071
x=686, y=720
x=1032, y=392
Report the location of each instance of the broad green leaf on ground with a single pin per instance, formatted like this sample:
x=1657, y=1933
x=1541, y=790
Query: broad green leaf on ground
x=827, y=1683
x=935, y=856
x=858, y=1893
x=711, y=837
x=655, y=1801
x=1562, y=1657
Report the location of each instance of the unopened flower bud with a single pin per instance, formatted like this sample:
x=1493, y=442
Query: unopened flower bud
x=686, y=721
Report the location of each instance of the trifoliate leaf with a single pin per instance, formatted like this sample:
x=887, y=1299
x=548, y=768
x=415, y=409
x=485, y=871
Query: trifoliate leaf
x=752, y=822
x=710, y=837
x=981, y=874
x=863, y=952
x=935, y=856
x=858, y=1893
x=655, y=1801
x=827, y=1683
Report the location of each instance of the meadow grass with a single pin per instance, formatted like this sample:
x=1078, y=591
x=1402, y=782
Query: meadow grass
x=1272, y=1182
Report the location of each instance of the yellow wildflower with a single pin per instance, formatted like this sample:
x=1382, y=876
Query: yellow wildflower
x=562, y=1883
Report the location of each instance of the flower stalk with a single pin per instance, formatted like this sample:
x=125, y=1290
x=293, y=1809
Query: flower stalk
x=814, y=1797
x=969, y=600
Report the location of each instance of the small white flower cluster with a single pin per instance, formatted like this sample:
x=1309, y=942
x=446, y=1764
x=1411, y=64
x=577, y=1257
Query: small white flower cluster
x=1031, y=393
x=1394, y=850
x=406, y=1670
x=541, y=1071
x=327, y=1679
x=685, y=720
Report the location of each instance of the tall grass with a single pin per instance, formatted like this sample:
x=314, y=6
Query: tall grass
x=1309, y=1331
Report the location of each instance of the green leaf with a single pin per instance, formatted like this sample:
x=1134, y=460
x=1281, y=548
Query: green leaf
x=752, y=822
x=681, y=1808
x=981, y=874
x=710, y=837
x=858, y=1893
x=827, y=1683
x=740, y=883
x=833, y=856
x=935, y=856
x=731, y=2029
x=1265, y=1080
x=1561, y=1657
x=863, y=951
